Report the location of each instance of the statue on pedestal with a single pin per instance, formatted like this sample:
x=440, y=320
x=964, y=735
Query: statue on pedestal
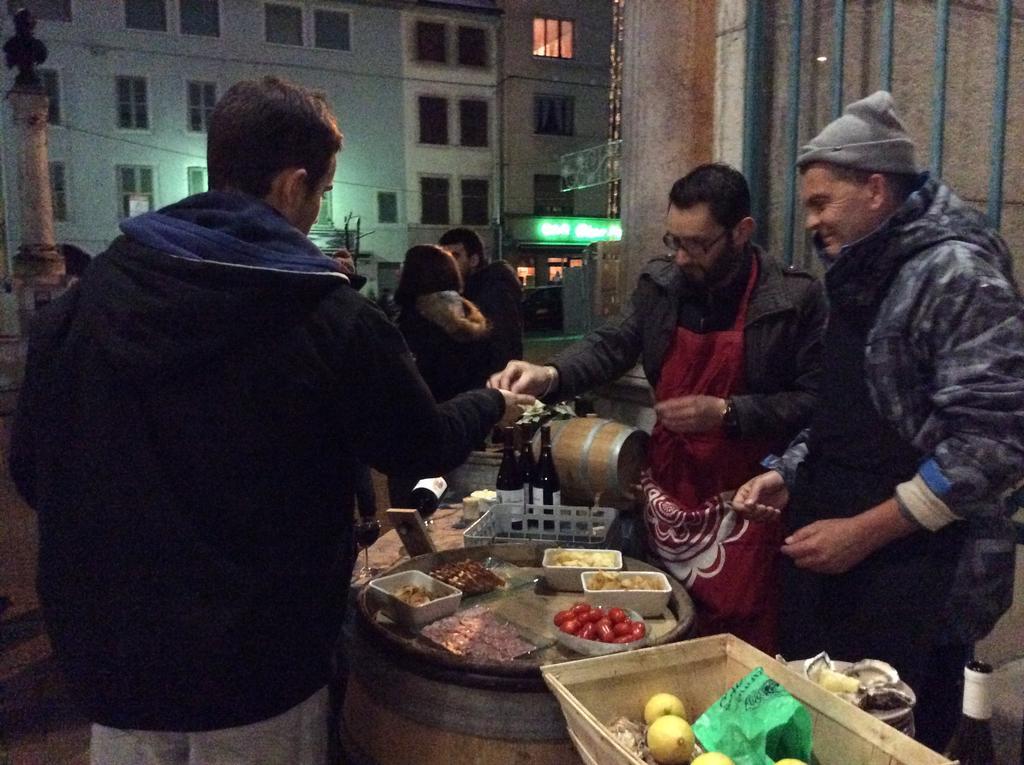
x=25, y=51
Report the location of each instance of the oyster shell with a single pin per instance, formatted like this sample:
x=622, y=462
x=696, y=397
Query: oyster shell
x=872, y=673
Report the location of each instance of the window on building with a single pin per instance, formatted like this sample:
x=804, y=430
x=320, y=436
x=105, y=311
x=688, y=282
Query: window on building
x=434, y=200
x=59, y=191
x=433, y=120
x=387, y=207
x=431, y=42
x=548, y=197
x=49, y=10
x=283, y=23
x=552, y=38
x=146, y=14
x=51, y=84
x=472, y=46
x=325, y=218
x=197, y=180
x=134, y=189
x=132, y=103
x=202, y=97
x=472, y=122
x=200, y=17
x=332, y=29
x=553, y=115
x=475, y=208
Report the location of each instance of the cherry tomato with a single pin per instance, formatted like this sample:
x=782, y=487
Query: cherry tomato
x=563, y=616
x=621, y=628
x=570, y=626
x=617, y=615
x=639, y=630
x=580, y=608
x=587, y=631
x=624, y=639
x=595, y=615
x=604, y=631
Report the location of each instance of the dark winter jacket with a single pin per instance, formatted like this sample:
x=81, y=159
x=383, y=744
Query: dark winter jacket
x=496, y=291
x=187, y=432
x=945, y=366
x=448, y=337
x=782, y=344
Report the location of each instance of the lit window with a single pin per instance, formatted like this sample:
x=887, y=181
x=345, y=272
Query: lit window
x=51, y=84
x=474, y=201
x=202, y=97
x=552, y=38
x=332, y=30
x=200, y=17
x=387, y=207
x=472, y=46
x=548, y=197
x=283, y=24
x=433, y=120
x=132, y=103
x=431, y=42
x=49, y=10
x=473, y=123
x=553, y=115
x=59, y=191
x=150, y=15
x=135, y=189
x=434, y=201
x=197, y=180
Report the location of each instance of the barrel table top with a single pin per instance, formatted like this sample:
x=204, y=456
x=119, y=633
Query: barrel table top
x=526, y=602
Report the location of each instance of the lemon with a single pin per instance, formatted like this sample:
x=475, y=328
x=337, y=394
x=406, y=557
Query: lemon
x=790, y=761
x=670, y=740
x=661, y=704
x=713, y=758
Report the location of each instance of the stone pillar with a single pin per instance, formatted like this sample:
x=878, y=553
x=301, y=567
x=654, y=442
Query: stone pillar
x=38, y=265
x=668, y=114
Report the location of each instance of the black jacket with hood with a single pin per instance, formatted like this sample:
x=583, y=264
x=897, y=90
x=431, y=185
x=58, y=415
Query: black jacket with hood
x=187, y=432
x=496, y=291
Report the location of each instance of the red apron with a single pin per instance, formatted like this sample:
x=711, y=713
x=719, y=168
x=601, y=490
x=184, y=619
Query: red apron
x=727, y=564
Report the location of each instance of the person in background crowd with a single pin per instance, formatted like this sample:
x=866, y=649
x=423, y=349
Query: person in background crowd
x=730, y=341
x=899, y=543
x=76, y=261
x=495, y=290
x=386, y=302
x=192, y=414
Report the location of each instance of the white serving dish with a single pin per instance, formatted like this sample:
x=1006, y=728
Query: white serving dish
x=596, y=647
x=567, y=578
x=445, y=602
x=644, y=602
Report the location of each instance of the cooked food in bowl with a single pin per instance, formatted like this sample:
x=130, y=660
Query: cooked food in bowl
x=414, y=596
x=582, y=559
x=602, y=580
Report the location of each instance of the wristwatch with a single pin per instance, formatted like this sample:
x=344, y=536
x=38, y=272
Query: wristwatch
x=730, y=420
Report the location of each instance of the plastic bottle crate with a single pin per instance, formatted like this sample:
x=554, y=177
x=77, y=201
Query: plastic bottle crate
x=549, y=525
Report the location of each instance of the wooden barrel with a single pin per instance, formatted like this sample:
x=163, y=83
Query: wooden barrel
x=596, y=457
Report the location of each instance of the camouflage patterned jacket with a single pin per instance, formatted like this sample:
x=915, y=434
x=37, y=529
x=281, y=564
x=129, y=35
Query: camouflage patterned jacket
x=945, y=365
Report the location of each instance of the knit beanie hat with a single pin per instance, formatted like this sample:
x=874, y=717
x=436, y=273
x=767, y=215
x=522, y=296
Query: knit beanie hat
x=869, y=136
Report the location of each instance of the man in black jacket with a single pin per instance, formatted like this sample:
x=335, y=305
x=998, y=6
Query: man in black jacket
x=495, y=290
x=189, y=430
x=730, y=341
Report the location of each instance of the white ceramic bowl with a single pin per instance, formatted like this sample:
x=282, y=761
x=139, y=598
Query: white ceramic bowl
x=446, y=599
x=596, y=647
x=644, y=602
x=567, y=578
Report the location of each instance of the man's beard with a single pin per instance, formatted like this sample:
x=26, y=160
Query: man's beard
x=720, y=272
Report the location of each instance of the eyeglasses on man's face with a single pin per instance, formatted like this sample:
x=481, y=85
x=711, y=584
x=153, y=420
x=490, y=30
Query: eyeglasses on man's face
x=695, y=248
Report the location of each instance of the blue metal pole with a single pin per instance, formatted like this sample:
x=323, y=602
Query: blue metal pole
x=995, y=175
x=939, y=92
x=792, y=127
x=888, y=30
x=753, y=90
x=838, y=51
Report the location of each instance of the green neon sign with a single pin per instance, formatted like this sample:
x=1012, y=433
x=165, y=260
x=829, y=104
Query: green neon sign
x=576, y=230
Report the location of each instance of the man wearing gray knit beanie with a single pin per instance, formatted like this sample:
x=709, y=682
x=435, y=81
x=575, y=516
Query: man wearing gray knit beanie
x=899, y=543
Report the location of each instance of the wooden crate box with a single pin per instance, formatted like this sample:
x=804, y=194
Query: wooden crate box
x=595, y=692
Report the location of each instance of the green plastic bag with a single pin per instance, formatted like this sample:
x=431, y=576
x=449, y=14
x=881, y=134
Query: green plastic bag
x=756, y=722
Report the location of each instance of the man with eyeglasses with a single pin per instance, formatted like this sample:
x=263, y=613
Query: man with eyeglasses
x=730, y=341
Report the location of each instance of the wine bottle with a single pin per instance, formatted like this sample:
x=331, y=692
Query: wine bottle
x=546, y=486
x=972, y=741
x=527, y=466
x=509, y=484
x=426, y=495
